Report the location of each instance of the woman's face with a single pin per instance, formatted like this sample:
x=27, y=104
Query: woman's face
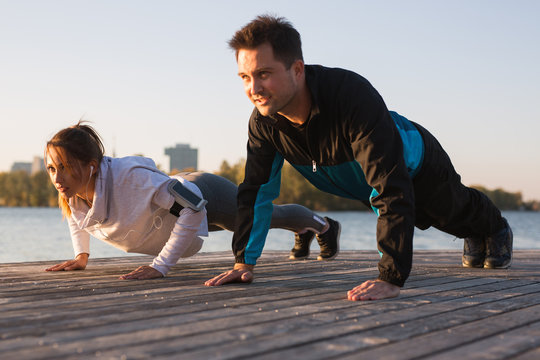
x=68, y=181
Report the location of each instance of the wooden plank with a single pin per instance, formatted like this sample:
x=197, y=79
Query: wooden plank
x=448, y=330
x=515, y=339
x=325, y=336
x=292, y=309
x=348, y=303
x=532, y=354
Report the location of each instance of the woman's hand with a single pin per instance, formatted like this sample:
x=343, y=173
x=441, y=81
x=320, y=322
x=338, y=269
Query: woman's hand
x=79, y=263
x=142, y=273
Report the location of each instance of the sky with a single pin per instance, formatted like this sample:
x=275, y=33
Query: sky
x=151, y=74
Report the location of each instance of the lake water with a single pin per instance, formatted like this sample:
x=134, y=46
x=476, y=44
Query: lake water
x=34, y=234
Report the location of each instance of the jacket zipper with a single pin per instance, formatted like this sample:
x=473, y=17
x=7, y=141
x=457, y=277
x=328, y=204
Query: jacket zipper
x=314, y=167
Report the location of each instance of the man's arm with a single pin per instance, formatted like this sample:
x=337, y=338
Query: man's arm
x=378, y=148
x=260, y=187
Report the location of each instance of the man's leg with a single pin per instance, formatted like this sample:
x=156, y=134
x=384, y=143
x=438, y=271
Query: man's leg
x=444, y=202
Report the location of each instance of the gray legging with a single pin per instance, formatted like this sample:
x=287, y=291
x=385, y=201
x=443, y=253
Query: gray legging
x=221, y=208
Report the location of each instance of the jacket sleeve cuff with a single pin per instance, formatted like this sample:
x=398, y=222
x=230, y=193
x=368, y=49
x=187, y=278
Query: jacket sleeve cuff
x=163, y=269
x=392, y=279
x=245, y=260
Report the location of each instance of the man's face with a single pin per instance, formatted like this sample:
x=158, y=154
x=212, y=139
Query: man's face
x=267, y=83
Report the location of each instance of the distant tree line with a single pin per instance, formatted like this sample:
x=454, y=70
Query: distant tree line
x=505, y=200
x=21, y=189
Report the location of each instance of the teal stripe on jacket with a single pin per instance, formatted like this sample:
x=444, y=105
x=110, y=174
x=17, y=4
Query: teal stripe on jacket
x=263, y=212
x=413, y=145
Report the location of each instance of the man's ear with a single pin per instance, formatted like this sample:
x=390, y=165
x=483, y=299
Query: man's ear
x=298, y=68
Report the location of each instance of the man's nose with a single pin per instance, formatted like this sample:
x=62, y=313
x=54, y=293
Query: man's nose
x=256, y=87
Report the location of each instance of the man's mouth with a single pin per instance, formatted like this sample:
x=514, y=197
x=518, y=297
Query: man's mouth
x=260, y=100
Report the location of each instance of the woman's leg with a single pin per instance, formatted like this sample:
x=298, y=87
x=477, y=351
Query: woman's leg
x=221, y=196
x=221, y=213
x=221, y=208
x=297, y=218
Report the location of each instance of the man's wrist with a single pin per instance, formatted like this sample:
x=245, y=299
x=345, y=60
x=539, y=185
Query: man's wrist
x=240, y=266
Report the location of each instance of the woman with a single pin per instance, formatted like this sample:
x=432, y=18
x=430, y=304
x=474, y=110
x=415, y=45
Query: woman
x=126, y=203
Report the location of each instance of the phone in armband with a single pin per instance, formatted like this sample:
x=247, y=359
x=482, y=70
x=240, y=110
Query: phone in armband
x=185, y=197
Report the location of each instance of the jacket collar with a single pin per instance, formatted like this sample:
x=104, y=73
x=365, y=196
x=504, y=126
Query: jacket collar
x=87, y=216
x=312, y=85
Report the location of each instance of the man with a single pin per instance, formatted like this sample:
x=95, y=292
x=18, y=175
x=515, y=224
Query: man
x=334, y=128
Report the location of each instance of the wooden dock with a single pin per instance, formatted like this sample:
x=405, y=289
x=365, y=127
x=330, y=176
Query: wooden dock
x=293, y=310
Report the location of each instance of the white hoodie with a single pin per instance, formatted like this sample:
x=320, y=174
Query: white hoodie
x=130, y=211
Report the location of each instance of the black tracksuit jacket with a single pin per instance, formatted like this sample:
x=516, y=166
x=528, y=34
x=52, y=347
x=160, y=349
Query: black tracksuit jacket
x=352, y=146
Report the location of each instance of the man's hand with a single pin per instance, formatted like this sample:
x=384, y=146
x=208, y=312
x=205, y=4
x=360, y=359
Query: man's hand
x=79, y=263
x=373, y=290
x=142, y=273
x=240, y=273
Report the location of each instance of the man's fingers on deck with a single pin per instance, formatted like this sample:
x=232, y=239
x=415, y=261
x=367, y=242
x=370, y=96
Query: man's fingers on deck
x=373, y=290
x=229, y=277
x=221, y=279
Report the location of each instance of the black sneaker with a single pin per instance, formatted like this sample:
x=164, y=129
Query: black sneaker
x=302, y=242
x=329, y=241
x=474, y=252
x=499, y=249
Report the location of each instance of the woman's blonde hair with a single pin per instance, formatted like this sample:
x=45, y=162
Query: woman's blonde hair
x=76, y=146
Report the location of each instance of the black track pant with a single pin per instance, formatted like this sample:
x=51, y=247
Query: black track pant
x=442, y=201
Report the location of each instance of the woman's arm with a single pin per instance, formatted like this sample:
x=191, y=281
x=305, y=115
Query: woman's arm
x=81, y=246
x=183, y=234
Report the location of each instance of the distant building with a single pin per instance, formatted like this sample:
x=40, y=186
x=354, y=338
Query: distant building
x=22, y=166
x=35, y=166
x=182, y=156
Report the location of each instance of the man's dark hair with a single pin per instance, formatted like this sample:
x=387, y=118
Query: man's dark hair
x=276, y=31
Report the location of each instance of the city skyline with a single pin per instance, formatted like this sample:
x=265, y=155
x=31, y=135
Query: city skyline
x=181, y=156
x=147, y=75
